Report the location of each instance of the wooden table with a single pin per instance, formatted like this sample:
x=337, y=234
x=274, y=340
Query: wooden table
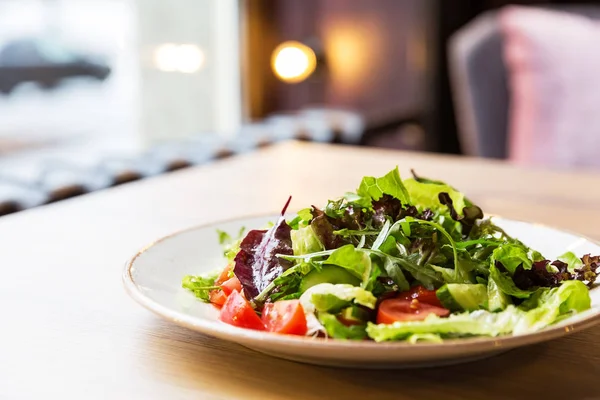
x=69, y=331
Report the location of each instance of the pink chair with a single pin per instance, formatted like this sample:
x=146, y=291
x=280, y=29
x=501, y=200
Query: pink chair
x=526, y=85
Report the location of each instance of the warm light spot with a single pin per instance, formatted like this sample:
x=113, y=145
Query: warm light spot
x=185, y=58
x=293, y=62
x=353, y=53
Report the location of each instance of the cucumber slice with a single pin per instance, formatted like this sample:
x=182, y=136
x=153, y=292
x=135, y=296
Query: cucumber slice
x=328, y=274
x=463, y=296
x=355, y=314
x=497, y=299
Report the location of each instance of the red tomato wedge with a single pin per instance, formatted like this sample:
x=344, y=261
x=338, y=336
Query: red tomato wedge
x=422, y=294
x=237, y=311
x=286, y=316
x=224, y=275
x=217, y=297
x=393, y=310
x=230, y=285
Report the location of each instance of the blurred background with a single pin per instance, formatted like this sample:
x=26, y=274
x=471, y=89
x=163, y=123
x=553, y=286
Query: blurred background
x=96, y=93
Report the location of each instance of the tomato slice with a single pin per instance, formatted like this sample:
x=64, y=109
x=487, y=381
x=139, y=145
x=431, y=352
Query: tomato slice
x=217, y=297
x=224, y=275
x=286, y=316
x=422, y=294
x=237, y=311
x=230, y=285
x=393, y=310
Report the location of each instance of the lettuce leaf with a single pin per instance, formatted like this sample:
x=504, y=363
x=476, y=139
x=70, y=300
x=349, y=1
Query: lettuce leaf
x=424, y=337
x=329, y=297
x=506, y=284
x=426, y=195
x=305, y=241
x=511, y=256
x=573, y=262
x=390, y=184
x=547, y=307
x=335, y=329
x=497, y=299
x=326, y=297
x=354, y=260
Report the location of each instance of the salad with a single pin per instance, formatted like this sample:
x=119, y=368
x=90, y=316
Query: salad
x=406, y=260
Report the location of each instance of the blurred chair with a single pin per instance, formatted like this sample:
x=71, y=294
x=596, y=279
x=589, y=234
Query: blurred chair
x=480, y=83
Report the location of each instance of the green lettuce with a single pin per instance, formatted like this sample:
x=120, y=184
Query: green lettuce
x=511, y=256
x=547, y=307
x=571, y=260
x=326, y=297
x=337, y=330
x=390, y=184
x=424, y=337
x=305, y=241
x=507, y=285
x=321, y=300
x=497, y=299
x=426, y=195
x=354, y=260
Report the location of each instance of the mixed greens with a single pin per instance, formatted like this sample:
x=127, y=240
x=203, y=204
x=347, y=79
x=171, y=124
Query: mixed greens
x=409, y=259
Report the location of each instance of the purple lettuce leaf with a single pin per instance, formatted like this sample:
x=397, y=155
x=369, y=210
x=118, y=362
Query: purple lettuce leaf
x=324, y=226
x=257, y=264
x=540, y=276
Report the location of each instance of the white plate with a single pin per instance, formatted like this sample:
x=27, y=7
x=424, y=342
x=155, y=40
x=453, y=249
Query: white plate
x=153, y=278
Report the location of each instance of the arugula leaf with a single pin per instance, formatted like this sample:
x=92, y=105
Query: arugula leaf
x=390, y=246
x=484, y=242
x=305, y=241
x=425, y=274
x=383, y=234
x=337, y=330
x=354, y=260
x=394, y=271
x=391, y=184
x=286, y=286
x=200, y=285
x=302, y=218
x=353, y=198
x=460, y=273
x=353, y=232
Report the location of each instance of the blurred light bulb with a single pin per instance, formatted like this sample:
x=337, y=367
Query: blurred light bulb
x=293, y=62
x=185, y=58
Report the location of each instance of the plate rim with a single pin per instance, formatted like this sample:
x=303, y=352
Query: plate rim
x=232, y=333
